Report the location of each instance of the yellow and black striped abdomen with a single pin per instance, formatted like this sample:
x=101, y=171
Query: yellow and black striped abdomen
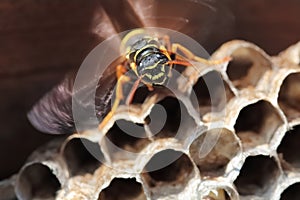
x=151, y=65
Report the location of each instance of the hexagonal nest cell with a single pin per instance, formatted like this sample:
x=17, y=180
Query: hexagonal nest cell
x=213, y=150
x=123, y=137
x=169, y=118
x=168, y=168
x=172, y=119
x=164, y=149
x=210, y=93
x=247, y=67
x=257, y=123
x=82, y=156
x=36, y=181
x=257, y=175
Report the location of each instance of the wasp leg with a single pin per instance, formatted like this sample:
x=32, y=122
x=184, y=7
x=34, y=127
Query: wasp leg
x=150, y=87
x=120, y=71
x=166, y=47
x=122, y=79
x=189, y=55
x=167, y=44
x=134, y=88
x=132, y=91
x=177, y=62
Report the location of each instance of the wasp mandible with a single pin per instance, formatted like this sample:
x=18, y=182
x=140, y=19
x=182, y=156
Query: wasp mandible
x=151, y=59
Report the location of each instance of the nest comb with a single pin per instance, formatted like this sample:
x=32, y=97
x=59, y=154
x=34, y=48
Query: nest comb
x=255, y=157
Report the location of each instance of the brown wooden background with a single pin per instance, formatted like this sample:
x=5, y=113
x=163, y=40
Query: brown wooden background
x=40, y=40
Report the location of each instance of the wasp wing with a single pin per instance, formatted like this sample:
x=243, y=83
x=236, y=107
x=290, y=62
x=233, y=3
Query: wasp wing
x=206, y=21
x=53, y=112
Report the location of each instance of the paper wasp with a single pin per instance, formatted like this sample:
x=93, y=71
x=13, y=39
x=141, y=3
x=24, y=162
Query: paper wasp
x=149, y=58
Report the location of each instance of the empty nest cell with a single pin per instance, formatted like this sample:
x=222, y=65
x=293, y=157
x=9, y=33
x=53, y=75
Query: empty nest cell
x=141, y=94
x=289, y=96
x=257, y=123
x=257, y=175
x=170, y=118
x=82, y=156
x=213, y=150
x=289, y=148
x=125, y=138
x=210, y=93
x=168, y=167
x=37, y=181
x=291, y=193
x=123, y=189
x=247, y=67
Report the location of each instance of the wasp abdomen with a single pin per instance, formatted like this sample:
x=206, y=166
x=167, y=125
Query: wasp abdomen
x=151, y=65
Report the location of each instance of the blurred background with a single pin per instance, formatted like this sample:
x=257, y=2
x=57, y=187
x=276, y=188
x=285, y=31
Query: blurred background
x=40, y=41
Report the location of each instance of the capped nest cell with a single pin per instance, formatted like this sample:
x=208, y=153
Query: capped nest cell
x=214, y=140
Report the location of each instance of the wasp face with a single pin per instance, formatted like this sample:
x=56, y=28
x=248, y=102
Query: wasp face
x=153, y=68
